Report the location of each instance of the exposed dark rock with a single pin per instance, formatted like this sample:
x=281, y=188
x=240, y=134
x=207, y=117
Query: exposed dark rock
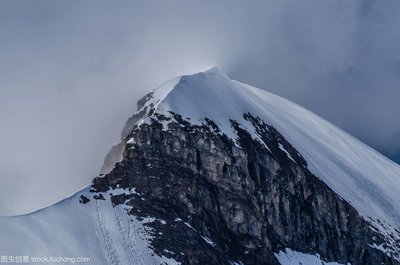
x=215, y=202
x=115, y=154
x=98, y=197
x=83, y=199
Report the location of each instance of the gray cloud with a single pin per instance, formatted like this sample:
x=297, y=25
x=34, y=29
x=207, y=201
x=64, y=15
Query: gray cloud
x=71, y=72
x=340, y=59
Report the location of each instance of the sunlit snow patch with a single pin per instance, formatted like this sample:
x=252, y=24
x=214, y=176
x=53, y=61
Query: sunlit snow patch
x=290, y=257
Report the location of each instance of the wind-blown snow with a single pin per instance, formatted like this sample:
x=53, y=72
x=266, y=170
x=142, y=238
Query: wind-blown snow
x=366, y=179
x=360, y=175
x=105, y=234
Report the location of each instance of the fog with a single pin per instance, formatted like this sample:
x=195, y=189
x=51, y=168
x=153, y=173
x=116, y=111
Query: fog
x=72, y=71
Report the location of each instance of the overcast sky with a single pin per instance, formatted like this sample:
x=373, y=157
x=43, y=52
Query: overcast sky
x=72, y=71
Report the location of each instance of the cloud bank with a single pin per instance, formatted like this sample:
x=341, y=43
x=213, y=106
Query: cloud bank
x=72, y=71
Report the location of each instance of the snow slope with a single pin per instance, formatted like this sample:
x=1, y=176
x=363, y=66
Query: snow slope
x=290, y=257
x=366, y=179
x=360, y=175
x=69, y=229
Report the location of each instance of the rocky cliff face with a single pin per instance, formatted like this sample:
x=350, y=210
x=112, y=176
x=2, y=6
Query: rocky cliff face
x=210, y=200
x=115, y=154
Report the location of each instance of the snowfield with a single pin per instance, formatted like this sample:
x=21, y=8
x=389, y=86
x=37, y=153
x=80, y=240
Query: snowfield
x=367, y=180
x=105, y=234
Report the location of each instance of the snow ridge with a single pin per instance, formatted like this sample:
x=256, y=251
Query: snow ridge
x=105, y=232
x=360, y=175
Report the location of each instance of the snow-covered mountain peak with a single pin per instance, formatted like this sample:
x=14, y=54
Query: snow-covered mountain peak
x=210, y=170
x=211, y=70
x=194, y=84
x=358, y=173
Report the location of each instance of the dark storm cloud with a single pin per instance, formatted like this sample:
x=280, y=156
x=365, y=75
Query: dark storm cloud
x=71, y=72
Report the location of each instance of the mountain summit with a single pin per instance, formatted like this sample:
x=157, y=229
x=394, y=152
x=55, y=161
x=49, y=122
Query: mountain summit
x=213, y=171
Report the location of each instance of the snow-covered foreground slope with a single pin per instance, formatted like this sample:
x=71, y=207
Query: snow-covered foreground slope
x=366, y=179
x=70, y=229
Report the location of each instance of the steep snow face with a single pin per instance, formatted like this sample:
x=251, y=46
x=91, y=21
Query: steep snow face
x=70, y=229
x=367, y=180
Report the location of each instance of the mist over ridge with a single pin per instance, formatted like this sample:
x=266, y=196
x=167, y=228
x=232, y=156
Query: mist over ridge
x=71, y=73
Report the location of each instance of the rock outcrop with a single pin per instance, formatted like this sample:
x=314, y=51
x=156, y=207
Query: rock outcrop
x=212, y=200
